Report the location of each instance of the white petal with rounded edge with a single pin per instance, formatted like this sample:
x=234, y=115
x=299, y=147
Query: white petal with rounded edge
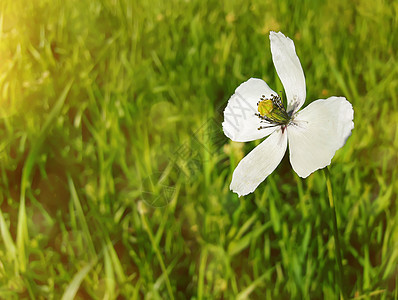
x=259, y=163
x=288, y=67
x=319, y=130
x=240, y=122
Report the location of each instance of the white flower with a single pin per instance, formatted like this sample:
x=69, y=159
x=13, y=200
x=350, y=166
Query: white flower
x=255, y=111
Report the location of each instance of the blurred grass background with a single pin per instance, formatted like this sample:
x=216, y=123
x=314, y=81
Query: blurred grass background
x=114, y=171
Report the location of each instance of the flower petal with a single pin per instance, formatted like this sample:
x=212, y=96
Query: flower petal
x=317, y=132
x=259, y=163
x=240, y=122
x=288, y=67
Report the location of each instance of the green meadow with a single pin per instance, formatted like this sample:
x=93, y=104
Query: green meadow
x=115, y=172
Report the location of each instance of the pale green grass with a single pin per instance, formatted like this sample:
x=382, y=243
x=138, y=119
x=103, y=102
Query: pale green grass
x=107, y=107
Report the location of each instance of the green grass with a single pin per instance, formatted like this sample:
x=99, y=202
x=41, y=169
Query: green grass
x=114, y=171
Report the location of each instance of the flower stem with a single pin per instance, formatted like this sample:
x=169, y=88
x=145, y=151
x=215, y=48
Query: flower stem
x=335, y=233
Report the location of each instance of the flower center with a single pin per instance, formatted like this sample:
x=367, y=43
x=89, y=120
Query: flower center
x=272, y=111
